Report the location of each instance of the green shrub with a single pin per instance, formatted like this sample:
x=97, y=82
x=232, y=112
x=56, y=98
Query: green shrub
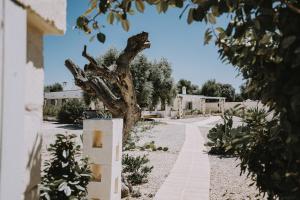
x=71, y=111
x=259, y=145
x=223, y=136
x=220, y=136
x=66, y=174
x=50, y=110
x=262, y=151
x=136, y=169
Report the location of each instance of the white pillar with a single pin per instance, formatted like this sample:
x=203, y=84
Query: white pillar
x=102, y=143
x=12, y=67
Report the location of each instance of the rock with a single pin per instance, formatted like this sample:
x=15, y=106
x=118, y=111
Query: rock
x=150, y=195
x=136, y=194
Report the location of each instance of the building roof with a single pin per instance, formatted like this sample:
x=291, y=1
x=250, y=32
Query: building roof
x=201, y=96
x=67, y=94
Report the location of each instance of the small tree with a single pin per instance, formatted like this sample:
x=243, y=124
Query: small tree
x=71, y=111
x=56, y=87
x=211, y=88
x=66, y=174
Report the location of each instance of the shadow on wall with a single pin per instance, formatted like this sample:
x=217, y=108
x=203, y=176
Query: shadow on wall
x=34, y=166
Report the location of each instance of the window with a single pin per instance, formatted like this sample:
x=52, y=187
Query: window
x=97, y=139
x=96, y=172
x=190, y=105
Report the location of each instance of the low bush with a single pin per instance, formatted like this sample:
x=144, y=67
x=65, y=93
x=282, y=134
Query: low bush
x=66, y=174
x=50, y=110
x=71, y=111
x=136, y=169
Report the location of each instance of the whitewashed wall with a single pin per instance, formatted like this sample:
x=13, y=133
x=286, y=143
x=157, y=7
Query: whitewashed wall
x=21, y=87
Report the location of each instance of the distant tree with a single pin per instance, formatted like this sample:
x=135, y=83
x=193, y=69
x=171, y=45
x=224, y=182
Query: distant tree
x=215, y=89
x=190, y=88
x=56, y=87
x=163, y=83
x=141, y=71
x=211, y=88
x=71, y=111
x=238, y=98
x=227, y=91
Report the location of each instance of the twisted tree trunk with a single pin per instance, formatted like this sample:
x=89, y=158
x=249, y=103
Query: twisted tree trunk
x=113, y=85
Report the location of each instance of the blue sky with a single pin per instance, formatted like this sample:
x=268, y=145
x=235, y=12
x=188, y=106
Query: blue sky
x=170, y=37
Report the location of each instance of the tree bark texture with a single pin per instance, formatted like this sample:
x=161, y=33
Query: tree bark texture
x=113, y=85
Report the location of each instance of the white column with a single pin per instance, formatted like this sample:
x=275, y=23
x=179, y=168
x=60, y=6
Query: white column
x=102, y=143
x=12, y=66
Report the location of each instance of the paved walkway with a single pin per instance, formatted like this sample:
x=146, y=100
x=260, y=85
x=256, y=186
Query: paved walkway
x=190, y=177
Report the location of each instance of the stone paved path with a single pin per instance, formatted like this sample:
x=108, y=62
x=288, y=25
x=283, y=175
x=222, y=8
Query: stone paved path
x=190, y=177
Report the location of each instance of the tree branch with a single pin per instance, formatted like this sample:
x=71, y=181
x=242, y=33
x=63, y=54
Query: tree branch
x=88, y=57
x=292, y=7
x=135, y=45
x=96, y=85
x=97, y=70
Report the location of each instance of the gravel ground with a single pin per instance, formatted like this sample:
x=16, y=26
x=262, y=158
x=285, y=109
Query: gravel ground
x=225, y=180
x=164, y=135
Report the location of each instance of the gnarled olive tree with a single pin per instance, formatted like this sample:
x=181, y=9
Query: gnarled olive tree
x=113, y=85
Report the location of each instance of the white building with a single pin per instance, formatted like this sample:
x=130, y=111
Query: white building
x=23, y=23
x=183, y=104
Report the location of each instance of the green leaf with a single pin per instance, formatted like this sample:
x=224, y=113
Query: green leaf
x=158, y=7
x=207, y=36
x=164, y=6
x=265, y=39
x=211, y=18
x=220, y=30
x=125, y=24
x=151, y=2
x=215, y=11
x=139, y=4
x=81, y=21
x=101, y=37
x=287, y=41
x=110, y=18
x=179, y=3
x=190, y=16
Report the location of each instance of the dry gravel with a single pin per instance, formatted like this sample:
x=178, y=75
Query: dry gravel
x=165, y=135
x=225, y=180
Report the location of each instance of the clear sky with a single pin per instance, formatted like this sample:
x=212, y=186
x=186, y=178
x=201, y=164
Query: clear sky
x=170, y=37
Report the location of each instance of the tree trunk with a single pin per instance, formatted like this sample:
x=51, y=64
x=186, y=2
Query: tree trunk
x=98, y=80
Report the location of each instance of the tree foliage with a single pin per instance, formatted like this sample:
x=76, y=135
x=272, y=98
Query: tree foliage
x=190, y=88
x=71, y=111
x=66, y=174
x=214, y=89
x=56, y=87
x=246, y=94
